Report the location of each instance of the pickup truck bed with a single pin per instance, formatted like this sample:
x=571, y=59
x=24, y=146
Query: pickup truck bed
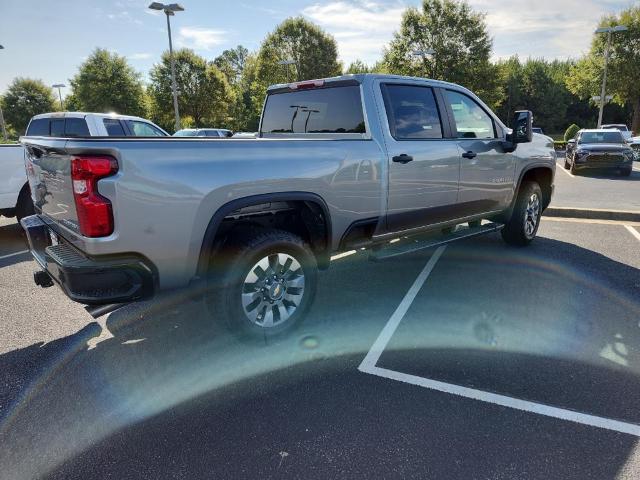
x=343, y=162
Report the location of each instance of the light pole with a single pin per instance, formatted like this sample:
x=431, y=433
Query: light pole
x=608, y=31
x=59, y=86
x=169, y=10
x=286, y=63
x=424, y=54
x=4, y=129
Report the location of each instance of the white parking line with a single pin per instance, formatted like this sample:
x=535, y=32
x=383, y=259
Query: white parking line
x=633, y=231
x=369, y=362
x=14, y=254
x=561, y=167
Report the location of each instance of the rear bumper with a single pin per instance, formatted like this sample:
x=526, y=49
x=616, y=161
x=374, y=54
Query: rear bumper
x=92, y=281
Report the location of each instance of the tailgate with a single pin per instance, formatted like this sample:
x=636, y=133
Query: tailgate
x=49, y=173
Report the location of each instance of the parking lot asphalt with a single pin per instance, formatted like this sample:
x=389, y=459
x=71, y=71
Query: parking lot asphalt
x=600, y=189
x=159, y=390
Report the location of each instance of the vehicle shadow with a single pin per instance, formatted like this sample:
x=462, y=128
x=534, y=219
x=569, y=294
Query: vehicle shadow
x=608, y=175
x=168, y=393
x=12, y=240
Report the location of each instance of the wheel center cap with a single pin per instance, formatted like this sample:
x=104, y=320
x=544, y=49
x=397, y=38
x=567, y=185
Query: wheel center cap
x=276, y=291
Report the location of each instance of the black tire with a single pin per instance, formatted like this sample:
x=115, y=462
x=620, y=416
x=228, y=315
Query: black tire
x=515, y=232
x=240, y=257
x=567, y=166
x=24, y=207
x=573, y=169
x=625, y=172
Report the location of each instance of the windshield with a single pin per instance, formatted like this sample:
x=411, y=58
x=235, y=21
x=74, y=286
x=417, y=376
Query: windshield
x=186, y=133
x=601, y=137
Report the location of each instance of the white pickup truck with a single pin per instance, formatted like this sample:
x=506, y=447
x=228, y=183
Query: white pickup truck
x=15, y=197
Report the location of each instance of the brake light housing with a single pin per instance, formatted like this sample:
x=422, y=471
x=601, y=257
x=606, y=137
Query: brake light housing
x=306, y=85
x=95, y=214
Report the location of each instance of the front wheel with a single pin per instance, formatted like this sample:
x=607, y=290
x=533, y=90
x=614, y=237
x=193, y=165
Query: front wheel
x=268, y=284
x=567, y=165
x=625, y=172
x=523, y=225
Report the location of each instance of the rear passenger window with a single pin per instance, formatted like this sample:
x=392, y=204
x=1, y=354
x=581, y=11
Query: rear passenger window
x=471, y=120
x=321, y=110
x=76, y=127
x=38, y=128
x=412, y=112
x=114, y=127
x=57, y=127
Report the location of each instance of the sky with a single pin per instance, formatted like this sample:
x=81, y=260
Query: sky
x=49, y=44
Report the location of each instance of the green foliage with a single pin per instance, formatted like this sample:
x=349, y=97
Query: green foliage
x=314, y=53
x=358, y=66
x=459, y=39
x=25, y=98
x=105, y=82
x=571, y=132
x=231, y=63
x=204, y=92
x=539, y=85
x=623, y=69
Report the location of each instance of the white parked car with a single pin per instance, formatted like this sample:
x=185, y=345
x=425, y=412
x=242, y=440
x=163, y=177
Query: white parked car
x=626, y=133
x=15, y=197
x=204, y=132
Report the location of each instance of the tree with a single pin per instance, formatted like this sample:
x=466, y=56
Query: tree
x=313, y=52
x=204, y=93
x=459, y=40
x=105, y=82
x=623, y=69
x=231, y=62
x=571, y=132
x=25, y=98
x=358, y=66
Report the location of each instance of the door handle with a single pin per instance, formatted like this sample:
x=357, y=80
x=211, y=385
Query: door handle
x=469, y=154
x=403, y=158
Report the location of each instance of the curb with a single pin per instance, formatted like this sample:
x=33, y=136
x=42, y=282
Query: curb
x=593, y=214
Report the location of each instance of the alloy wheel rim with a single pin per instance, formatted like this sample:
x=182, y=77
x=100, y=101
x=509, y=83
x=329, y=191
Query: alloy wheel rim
x=532, y=215
x=273, y=290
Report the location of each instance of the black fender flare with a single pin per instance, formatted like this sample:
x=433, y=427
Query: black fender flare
x=227, y=208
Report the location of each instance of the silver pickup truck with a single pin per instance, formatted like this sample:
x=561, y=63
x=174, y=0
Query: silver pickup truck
x=341, y=163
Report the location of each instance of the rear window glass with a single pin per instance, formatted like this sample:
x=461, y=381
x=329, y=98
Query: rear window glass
x=324, y=110
x=39, y=127
x=76, y=127
x=114, y=127
x=57, y=127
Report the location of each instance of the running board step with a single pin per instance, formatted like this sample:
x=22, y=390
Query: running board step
x=414, y=244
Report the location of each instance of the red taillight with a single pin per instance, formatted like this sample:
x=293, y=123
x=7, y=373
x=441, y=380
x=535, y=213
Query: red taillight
x=305, y=85
x=95, y=216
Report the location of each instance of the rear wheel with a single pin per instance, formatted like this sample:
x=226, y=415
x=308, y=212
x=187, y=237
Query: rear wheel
x=573, y=168
x=24, y=207
x=523, y=225
x=566, y=162
x=268, y=284
x=625, y=172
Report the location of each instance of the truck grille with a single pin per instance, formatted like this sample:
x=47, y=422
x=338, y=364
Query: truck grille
x=605, y=160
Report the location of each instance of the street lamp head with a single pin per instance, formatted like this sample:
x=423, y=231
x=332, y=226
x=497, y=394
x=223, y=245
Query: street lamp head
x=169, y=9
x=286, y=62
x=58, y=85
x=616, y=28
x=423, y=53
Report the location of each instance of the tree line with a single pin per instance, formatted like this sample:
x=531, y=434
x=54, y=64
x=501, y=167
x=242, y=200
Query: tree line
x=442, y=39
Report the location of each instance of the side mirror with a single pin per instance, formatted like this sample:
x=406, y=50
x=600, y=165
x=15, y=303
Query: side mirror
x=522, y=126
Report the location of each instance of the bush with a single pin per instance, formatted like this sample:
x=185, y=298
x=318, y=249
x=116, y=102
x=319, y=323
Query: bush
x=559, y=145
x=571, y=132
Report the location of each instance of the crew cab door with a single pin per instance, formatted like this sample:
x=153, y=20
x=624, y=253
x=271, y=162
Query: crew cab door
x=486, y=171
x=423, y=163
